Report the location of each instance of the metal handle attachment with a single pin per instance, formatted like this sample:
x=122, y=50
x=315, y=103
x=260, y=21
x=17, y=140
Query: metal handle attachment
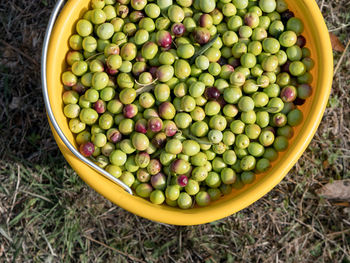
x=49, y=28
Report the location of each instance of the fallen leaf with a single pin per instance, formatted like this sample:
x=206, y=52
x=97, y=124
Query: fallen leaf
x=338, y=190
x=345, y=204
x=325, y=164
x=336, y=44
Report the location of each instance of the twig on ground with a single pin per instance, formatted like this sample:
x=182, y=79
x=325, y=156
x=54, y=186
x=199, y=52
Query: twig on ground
x=20, y=52
x=341, y=58
x=335, y=234
x=114, y=249
x=36, y=195
x=322, y=236
x=339, y=28
x=49, y=245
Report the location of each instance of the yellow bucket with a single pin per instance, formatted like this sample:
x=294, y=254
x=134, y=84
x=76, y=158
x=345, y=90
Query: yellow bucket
x=318, y=42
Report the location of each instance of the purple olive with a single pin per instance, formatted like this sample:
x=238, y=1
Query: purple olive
x=87, y=149
x=153, y=71
x=299, y=101
x=285, y=67
x=269, y=128
x=158, y=181
x=235, y=62
x=163, y=38
x=178, y=29
x=130, y=111
x=159, y=139
x=169, y=128
x=201, y=35
x=100, y=106
x=182, y=180
x=222, y=61
x=141, y=126
x=301, y=41
x=211, y=93
x=80, y=88
x=155, y=124
x=111, y=71
x=221, y=101
x=286, y=15
x=114, y=136
x=288, y=93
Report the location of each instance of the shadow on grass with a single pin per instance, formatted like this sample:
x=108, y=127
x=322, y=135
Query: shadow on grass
x=25, y=134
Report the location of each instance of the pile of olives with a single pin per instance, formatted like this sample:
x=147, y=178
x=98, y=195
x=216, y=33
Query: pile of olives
x=186, y=100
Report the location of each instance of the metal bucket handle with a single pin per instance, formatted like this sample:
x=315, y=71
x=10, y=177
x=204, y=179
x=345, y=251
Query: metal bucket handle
x=52, y=118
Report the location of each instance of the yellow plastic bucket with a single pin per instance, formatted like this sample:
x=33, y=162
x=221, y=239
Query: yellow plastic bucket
x=318, y=42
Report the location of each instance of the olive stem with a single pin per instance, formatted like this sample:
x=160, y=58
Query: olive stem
x=122, y=38
x=168, y=181
x=189, y=136
x=93, y=56
x=268, y=109
x=156, y=153
x=145, y=87
x=204, y=48
x=174, y=44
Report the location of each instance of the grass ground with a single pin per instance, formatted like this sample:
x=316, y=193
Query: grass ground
x=47, y=214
